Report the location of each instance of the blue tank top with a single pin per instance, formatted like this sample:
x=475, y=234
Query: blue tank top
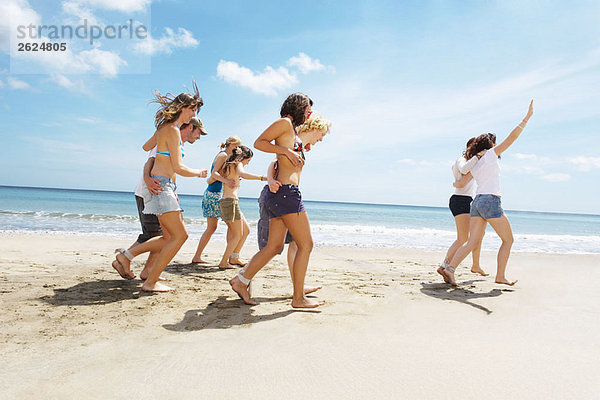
x=216, y=186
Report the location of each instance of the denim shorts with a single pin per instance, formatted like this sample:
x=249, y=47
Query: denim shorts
x=165, y=201
x=486, y=206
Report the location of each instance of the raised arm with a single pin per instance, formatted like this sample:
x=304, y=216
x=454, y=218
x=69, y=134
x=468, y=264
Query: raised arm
x=150, y=143
x=501, y=148
x=173, y=139
x=277, y=129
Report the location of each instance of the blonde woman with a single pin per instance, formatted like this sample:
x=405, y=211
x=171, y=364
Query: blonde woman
x=310, y=132
x=286, y=207
x=173, y=112
x=229, y=205
x=212, y=196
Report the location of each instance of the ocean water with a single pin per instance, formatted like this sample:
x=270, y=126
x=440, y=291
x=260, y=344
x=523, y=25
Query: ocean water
x=89, y=212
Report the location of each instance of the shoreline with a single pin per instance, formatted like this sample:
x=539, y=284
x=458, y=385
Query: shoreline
x=69, y=318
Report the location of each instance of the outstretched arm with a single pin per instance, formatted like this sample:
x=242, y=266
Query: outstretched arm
x=173, y=144
x=501, y=148
x=248, y=175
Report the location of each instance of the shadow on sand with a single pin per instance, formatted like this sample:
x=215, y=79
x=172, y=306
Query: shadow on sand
x=460, y=294
x=225, y=312
x=97, y=292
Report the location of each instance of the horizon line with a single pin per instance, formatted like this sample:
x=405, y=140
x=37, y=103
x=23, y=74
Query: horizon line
x=322, y=201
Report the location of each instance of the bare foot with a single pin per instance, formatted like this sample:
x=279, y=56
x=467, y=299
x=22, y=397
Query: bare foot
x=144, y=276
x=440, y=271
x=125, y=263
x=157, y=287
x=241, y=290
x=450, y=276
x=307, y=303
x=311, y=289
x=505, y=282
x=199, y=261
x=236, y=261
x=479, y=271
x=117, y=265
x=226, y=266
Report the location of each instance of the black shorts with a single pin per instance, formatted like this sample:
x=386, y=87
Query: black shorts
x=460, y=204
x=150, y=224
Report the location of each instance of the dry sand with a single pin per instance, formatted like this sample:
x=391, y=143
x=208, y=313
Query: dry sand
x=70, y=327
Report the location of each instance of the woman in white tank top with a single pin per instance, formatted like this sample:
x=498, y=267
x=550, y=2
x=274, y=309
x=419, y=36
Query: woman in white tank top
x=487, y=205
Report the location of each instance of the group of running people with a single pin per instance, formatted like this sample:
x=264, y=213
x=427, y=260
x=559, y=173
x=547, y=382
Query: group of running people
x=283, y=217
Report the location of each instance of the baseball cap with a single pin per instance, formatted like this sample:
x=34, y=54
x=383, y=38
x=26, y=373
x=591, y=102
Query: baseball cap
x=197, y=122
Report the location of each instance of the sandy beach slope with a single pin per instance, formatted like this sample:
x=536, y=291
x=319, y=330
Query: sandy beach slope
x=70, y=327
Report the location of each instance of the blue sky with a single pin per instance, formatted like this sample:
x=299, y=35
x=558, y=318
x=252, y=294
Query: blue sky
x=405, y=84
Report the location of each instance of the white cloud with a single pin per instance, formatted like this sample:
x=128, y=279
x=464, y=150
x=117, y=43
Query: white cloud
x=125, y=6
x=17, y=84
x=267, y=82
x=556, y=177
x=585, y=163
x=67, y=83
x=423, y=163
x=89, y=120
x=105, y=62
x=14, y=12
x=1, y=84
x=306, y=64
x=170, y=40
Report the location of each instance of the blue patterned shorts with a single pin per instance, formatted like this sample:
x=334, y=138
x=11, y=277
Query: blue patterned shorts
x=210, y=204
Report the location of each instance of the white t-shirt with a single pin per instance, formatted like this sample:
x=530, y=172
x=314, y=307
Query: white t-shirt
x=138, y=189
x=462, y=166
x=487, y=174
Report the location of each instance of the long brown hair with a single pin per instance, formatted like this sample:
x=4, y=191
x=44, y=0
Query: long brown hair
x=481, y=142
x=238, y=155
x=171, y=106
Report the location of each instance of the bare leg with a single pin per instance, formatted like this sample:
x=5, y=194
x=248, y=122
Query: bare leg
x=277, y=232
x=172, y=224
x=476, y=268
x=291, y=255
x=151, y=245
x=240, y=244
x=299, y=227
x=211, y=227
x=476, y=231
x=502, y=227
x=462, y=235
x=234, y=232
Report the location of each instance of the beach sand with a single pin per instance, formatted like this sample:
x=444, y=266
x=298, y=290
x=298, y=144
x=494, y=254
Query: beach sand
x=70, y=327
